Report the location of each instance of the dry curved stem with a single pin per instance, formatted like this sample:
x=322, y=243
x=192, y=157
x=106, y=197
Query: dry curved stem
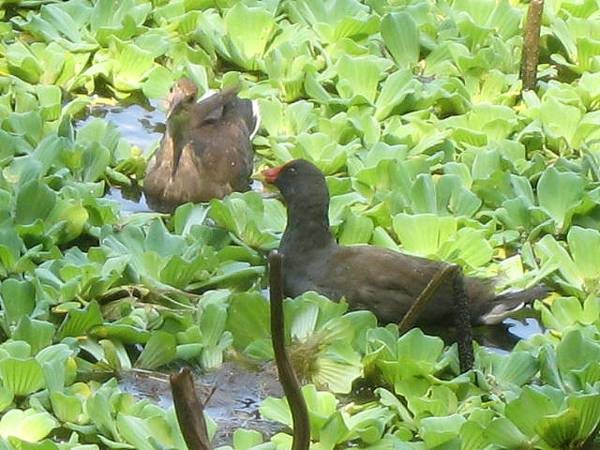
x=287, y=376
x=161, y=295
x=531, y=44
x=425, y=297
x=462, y=321
x=144, y=294
x=189, y=410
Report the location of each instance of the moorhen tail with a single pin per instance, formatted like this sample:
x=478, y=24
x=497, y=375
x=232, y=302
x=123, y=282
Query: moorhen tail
x=381, y=280
x=206, y=151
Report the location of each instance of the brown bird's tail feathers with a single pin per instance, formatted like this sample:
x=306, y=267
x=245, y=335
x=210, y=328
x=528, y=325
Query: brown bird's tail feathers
x=509, y=302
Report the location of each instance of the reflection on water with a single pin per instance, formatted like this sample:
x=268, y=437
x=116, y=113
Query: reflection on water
x=500, y=338
x=139, y=125
x=129, y=204
x=524, y=328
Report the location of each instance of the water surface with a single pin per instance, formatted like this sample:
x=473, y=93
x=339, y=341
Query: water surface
x=231, y=395
x=142, y=126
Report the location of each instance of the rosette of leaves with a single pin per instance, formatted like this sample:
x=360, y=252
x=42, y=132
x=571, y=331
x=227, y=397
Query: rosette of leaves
x=324, y=341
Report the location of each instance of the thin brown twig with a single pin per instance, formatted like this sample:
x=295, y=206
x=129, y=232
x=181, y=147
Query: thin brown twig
x=287, y=376
x=189, y=410
x=531, y=44
x=210, y=394
x=425, y=297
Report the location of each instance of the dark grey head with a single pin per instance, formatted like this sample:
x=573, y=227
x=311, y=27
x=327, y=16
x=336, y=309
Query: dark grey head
x=301, y=183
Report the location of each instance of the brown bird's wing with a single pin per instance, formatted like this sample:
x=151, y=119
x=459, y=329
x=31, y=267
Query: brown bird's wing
x=388, y=282
x=219, y=156
x=242, y=113
x=222, y=144
x=224, y=155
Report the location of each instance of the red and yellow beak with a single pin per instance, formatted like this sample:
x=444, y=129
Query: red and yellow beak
x=270, y=175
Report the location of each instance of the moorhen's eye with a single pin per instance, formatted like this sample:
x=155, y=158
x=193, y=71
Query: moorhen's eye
x=292, y=170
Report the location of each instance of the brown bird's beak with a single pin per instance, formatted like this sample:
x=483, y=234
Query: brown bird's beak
x=183, y=90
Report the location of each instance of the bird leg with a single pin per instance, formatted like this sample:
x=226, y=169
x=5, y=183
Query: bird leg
x=462, y=315
x=462, y=321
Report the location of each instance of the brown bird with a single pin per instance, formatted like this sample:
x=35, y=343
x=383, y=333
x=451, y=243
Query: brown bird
x=206, y=151
x=383, y=281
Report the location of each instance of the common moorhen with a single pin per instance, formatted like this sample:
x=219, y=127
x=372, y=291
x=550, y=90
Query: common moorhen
x=381, y=280
x=206, y=151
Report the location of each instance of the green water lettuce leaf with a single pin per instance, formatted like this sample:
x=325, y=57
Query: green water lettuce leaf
x=255, y=221
x=327, y=155
x=159, y=350
x=248, y=321
x=145, y=433
x=215, y=338
x=401, y=37
x=397, y=89
x=286, y=119
x=321, y=405
x=430, y=235
x=35, y=200
x=29, y=425
x=130, y=65
x=18, y=301
x=559, y=194
x=123, y=21
x=37, y=333
x=323, y=341
x=358, y=77
x=79, y=322
x=22, y=376
x=576, y=269
x=58, y=365
x=335, y=20
x=243, y=44
x=580, y=241
x=516, y=369
x=289, y=59
x=440, y=430
x=246, y=439
x=566, y=312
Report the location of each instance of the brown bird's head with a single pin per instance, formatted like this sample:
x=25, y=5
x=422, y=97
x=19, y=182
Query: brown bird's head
x=184, y=92
x=301, y=184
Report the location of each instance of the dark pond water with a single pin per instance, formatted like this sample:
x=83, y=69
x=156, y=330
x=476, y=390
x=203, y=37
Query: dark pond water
x=231, y=394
